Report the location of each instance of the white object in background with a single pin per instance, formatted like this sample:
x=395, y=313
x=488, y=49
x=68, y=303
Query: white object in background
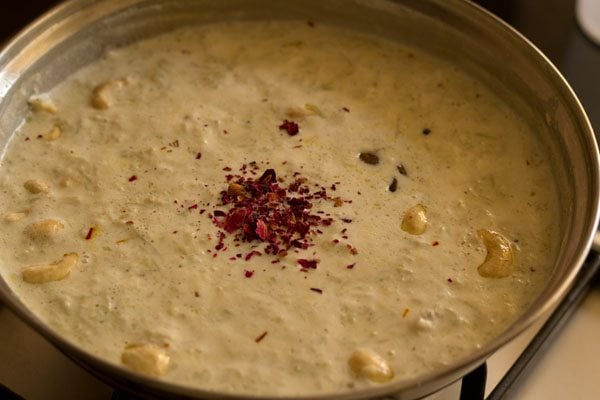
x=588, y=17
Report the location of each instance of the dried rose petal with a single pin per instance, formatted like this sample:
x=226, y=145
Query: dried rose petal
x=252, y=254
x=234, y=220
x=310, y=264
x=290, y=127
x=262, y=230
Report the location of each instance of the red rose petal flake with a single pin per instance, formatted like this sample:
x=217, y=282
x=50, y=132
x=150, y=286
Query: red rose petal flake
x=132, y=178
x=235, y=219
x=220, y=245
x=350, y=266
x=251, y=254
x=308, y=264
x=290, y=127
x=248, y=274
x=262, y=230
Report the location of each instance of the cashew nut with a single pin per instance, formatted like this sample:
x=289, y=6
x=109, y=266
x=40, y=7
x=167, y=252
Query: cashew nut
x=42, y=102
x=54, y=133
x=366, y=363
x=146, y=358
x=53, y=272
x=34, y=186
x=100, y=93
x=499, y=259
x=44, y=229
x=414, y=220
x=14, y=216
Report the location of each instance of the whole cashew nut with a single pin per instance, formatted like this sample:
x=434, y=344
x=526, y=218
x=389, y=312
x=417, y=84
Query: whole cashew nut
x=56, y=271
x=499, y=260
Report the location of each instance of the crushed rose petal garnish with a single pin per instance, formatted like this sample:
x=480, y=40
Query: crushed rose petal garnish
x=263, y=209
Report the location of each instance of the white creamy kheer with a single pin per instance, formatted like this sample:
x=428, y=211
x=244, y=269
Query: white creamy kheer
x=276, y=208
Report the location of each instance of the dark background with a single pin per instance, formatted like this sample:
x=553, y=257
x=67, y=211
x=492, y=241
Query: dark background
x=549, y=24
